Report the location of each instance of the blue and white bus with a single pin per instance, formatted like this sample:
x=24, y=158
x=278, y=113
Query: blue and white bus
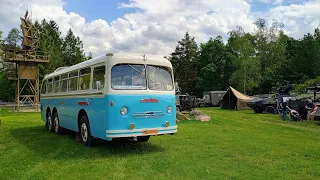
x=116, y=96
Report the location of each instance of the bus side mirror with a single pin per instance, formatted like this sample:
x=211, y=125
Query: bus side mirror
x=98, y=85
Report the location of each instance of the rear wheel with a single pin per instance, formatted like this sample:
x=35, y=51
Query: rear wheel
x=56, y=124
x=270, y=110
x=85, y=133
x=143, y=138
x=49, y=123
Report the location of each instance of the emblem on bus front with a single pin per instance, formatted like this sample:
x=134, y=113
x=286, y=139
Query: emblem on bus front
x=149, y=100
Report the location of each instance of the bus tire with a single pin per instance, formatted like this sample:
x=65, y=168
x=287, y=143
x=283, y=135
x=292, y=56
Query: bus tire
x=85, y=133
x=178, y=109
x=143, y=138
x=49, y=123
x=56, y=124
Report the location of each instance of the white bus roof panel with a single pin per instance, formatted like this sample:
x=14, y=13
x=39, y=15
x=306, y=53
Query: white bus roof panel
x=135, y=58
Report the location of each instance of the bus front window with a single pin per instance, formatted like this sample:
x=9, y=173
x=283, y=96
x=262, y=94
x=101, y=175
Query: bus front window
x=159, y=78
x=128, y=76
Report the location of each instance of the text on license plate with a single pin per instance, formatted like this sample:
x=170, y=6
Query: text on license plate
x=150, y=131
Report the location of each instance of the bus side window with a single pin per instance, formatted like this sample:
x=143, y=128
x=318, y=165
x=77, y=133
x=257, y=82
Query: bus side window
x=73, y=81
x=56, y=86
x=44, y=88
x=84, y=79
x=99, y=77
x=64, y=82
x=49, y=85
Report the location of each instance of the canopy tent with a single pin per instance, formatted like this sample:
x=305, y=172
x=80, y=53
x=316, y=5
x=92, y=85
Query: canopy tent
x=234, y=99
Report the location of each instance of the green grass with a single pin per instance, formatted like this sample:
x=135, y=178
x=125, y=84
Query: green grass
x=233, y=145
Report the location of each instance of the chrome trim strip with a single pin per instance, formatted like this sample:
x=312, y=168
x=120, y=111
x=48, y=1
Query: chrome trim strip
x=139, y=134
x=140, y=130
x=148, y=114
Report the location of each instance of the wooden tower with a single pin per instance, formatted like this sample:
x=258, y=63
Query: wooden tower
x=27, y=59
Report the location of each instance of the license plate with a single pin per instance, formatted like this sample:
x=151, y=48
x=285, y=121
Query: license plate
x=150, y=131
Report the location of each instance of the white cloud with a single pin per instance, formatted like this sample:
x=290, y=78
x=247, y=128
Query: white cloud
x=154, y=28
x=157, y=25
x=299, y=19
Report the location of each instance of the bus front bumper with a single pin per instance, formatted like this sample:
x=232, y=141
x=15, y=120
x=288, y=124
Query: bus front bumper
x=141, y=132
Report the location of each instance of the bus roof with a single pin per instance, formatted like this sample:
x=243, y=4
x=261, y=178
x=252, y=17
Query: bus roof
x=137, y=58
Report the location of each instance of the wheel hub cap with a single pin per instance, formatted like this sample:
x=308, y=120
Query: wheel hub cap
x=56, y=124
x=49, y=123
x=84, y=132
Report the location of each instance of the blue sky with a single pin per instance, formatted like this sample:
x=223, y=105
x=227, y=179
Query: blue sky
x=97, y=9
x=109, y=9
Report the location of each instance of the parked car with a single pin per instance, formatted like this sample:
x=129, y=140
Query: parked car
x=211, y=98
x=185, y=102
x=2, y=102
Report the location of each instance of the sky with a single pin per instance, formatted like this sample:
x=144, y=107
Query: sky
x=155, y=26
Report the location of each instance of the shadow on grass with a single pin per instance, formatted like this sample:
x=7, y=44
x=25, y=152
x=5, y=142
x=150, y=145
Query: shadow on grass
x=50, y=145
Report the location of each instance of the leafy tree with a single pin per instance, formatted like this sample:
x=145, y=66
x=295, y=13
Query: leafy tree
x=270, y=48
x=247, y=75
x=72, y=49
x=14, y=38
x=184, y=62
x=215, y=65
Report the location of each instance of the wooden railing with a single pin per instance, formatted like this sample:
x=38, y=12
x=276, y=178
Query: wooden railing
x=25, y=55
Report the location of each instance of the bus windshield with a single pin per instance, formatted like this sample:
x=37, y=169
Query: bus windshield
x=133, y=76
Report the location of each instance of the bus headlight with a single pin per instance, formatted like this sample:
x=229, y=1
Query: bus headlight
x=123, y=111
x=169, y=109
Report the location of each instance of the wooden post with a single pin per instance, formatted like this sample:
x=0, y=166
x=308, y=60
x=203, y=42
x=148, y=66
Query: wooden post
x=18, y=91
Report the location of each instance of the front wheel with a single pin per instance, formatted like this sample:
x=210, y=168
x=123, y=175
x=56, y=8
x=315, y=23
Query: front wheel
x=49, y=123
x=143, y=138
x=85, y=132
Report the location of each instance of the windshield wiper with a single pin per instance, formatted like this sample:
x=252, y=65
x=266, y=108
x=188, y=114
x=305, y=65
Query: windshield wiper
x=134, y=68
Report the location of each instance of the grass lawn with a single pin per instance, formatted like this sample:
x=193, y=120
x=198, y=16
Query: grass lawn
x=233, y=145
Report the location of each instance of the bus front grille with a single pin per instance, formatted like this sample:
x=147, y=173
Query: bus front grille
x=149, y=114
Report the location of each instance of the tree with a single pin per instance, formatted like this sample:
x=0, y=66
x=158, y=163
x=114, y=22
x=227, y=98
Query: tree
x=184, y=62
x=270, y=48
x=89, y=56
x=7, y=88
x=50, y=43
x=72, y=49
x=214, y=65
x=246, y=76
x=14, y=38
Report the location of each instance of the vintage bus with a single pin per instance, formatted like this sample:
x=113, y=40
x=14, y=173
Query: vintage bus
x=123, y=95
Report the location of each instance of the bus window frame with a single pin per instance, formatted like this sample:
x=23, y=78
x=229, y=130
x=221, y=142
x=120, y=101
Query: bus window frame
x=54, y=83
x=49, y=82
x=41, y=88
x=62, y=79
x=105, y=76
x=73, y=77
x=90, y=82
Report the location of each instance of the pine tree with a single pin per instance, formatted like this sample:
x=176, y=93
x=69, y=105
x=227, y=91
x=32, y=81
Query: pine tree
x=72, y=49
x=184, y=62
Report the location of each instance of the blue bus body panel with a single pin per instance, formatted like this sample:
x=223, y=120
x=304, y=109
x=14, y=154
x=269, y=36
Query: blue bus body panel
x=105, y=117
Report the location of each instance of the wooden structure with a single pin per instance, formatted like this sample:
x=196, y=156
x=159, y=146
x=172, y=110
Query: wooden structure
x=27, y=60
